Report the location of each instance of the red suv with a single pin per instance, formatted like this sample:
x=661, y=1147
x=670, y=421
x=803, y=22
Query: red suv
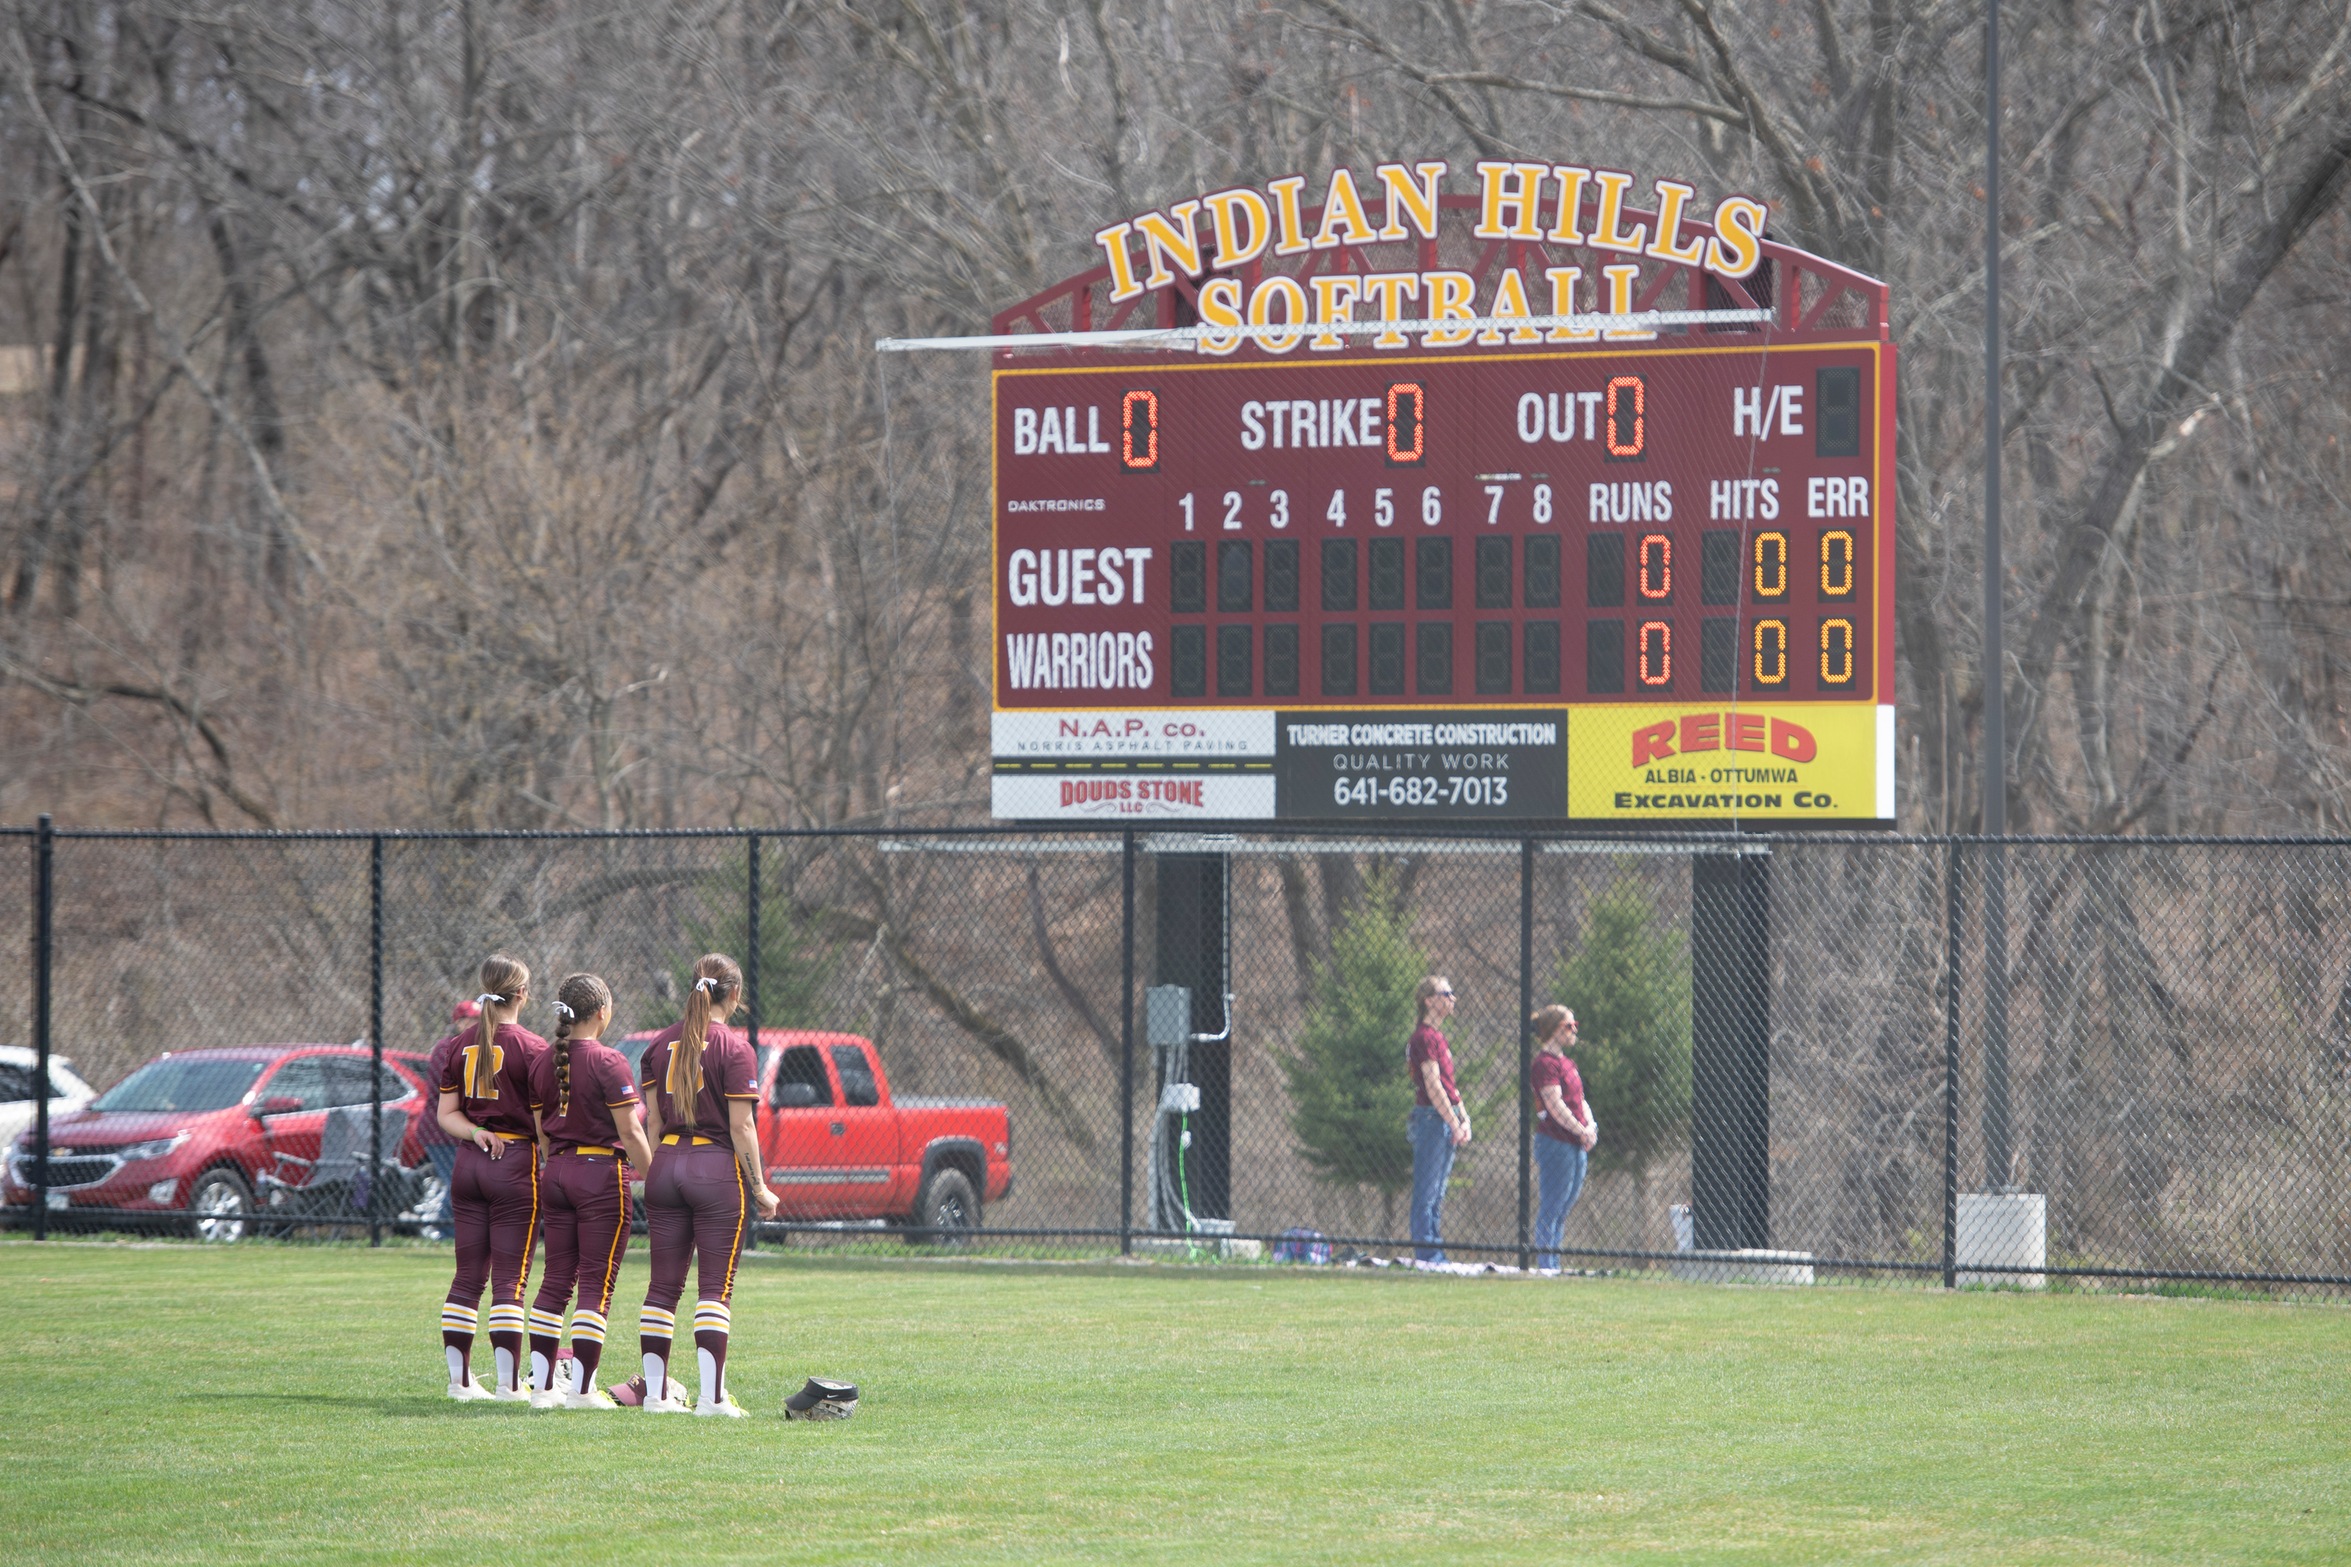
x=186, y=1138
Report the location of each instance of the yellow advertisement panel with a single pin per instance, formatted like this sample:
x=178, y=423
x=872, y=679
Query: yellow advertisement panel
x=1783, y=762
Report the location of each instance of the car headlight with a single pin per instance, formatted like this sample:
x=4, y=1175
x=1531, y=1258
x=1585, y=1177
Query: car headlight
x=155, y=1148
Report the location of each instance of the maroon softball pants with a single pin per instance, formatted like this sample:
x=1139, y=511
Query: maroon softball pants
x=496, y=1203
x=696, y=1206
x=586, y=1226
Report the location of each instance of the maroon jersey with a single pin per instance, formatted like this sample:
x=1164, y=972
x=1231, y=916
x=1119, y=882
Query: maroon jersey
x=1553, y=1069
x=1429, y=1045
x=509, y=1108
x=603, y=1091
x=730, y=1070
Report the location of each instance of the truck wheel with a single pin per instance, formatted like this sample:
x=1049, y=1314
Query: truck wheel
x=219, y=1207
x=947, y=1211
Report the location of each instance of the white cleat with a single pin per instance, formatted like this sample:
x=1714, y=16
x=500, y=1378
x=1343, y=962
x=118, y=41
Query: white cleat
x=513, y=1395
x=724, y=1407
x=468, y=1392
x=672, y=1403
x=594, y=1398
x=552, y=1398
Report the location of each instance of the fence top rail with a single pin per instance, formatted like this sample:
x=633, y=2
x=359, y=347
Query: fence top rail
x=1238, y=837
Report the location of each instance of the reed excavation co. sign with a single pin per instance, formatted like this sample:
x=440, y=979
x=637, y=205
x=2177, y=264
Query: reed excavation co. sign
x=1513, y=502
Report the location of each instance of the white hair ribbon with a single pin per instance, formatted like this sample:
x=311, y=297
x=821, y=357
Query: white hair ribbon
x=566, y=1011
x=488, y=999
x=707, y=983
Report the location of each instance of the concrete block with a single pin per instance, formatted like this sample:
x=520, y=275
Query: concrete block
x=1746, y=1266
x=2002, y=1229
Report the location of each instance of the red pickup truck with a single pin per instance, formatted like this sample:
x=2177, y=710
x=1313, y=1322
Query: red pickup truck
x=838, y=1147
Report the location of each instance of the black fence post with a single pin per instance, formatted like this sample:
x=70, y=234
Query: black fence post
x=1953, y=918
x=1730, y=1048
x=375, y=1038
x=1126, y=1046
x=751, y=938
x=44, y=952
x=751, y=973
x=1526, y=1044
x=1999, y=1145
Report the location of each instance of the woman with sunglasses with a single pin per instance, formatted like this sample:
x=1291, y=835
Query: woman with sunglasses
x=1439, y=1123
x=1565, y=1128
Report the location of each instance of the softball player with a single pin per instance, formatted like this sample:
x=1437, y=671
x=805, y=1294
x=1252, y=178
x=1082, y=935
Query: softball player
x=701, y=1082
x=483, y=1076
x=586, y=1101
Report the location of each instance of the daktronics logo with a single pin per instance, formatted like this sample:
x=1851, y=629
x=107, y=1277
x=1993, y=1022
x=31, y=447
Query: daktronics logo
x=1119, y=791
x=1694, y=732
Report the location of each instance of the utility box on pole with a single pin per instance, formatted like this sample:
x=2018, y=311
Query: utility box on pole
x=1193, y=950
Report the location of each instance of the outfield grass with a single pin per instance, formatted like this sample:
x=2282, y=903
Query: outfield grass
x=280, y=1405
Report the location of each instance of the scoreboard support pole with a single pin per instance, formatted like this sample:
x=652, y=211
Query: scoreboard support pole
x=1192, y=946
x=1730, y=1050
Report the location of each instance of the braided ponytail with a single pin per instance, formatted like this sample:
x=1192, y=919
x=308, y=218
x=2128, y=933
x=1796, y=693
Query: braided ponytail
x=579, y=996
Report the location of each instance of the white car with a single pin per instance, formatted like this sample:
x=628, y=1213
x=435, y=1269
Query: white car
x=67, y=1091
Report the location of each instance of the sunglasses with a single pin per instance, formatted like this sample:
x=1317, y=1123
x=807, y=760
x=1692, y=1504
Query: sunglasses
x=1447, y=994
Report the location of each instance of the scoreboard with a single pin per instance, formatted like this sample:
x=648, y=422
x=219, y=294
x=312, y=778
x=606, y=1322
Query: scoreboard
x=1605, y=583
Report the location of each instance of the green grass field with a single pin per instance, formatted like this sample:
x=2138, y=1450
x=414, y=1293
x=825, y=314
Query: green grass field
x=280, y=1405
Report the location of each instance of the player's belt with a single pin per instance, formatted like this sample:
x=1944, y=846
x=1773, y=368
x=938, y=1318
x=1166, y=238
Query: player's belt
x=511, y=1137
x=592, y=1149
x=672, y=1139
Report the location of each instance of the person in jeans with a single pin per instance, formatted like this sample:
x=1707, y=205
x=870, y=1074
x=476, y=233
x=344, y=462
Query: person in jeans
x=439, y=1146
x=1439, y=1123
x=1565, y=1128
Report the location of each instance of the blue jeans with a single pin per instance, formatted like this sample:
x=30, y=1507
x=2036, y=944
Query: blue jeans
x=444, y=1157
x=1432, y=1166
x=1562, y=1167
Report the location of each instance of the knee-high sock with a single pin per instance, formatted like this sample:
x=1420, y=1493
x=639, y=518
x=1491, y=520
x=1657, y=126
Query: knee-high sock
x=457, y=1325
x=587, y=1347
x=546, y=1339
x=655, y=1329
x=506, y=1335
x=712, y=1322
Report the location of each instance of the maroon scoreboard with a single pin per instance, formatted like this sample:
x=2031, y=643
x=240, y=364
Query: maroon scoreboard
x=1501, y=572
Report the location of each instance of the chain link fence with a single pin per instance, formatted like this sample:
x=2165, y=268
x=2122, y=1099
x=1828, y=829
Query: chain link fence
x=2035, y=1063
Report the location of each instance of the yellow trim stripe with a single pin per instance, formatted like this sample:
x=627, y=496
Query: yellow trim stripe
x=735, y=1255
x=530, y=1237
x=620, y=1234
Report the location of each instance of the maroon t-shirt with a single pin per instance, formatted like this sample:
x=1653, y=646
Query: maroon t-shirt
x=1549, y=1069
x=1429, y=1045
x=508, y=1109
x=603, y=1091
x=730, y=1070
